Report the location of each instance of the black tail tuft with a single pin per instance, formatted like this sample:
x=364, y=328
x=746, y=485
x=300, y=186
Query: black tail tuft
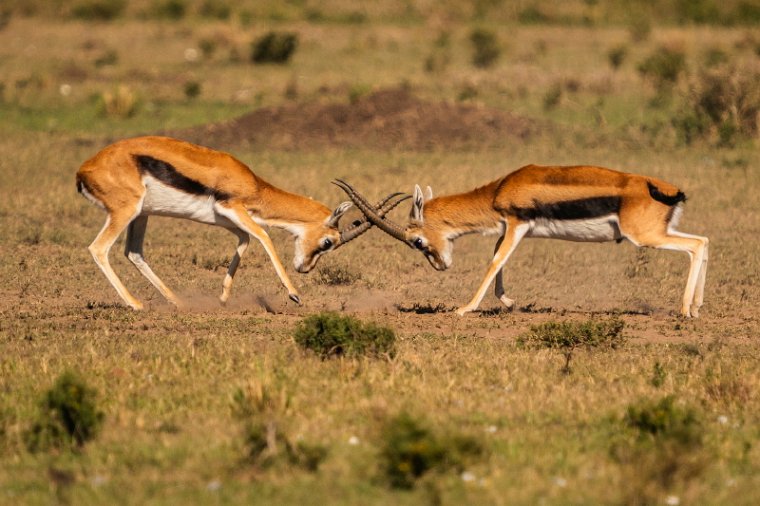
x=668, y=200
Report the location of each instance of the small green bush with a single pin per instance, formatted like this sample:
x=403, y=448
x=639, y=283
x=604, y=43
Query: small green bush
x=553, y=96
x=169, y=9
x=665, y=420
x=98, y=10
x=329, y=334
x=485, y=47
x=264, y=411
x=664, y=66
x=274, y=47
x=69, y=415
x=590, y=333
x=567, y=336
x=616, y=56
x=192, y=89
x=410, y=450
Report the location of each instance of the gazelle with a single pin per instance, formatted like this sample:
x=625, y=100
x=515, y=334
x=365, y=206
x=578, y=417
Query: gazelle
x=135, y=178
x=581, y=203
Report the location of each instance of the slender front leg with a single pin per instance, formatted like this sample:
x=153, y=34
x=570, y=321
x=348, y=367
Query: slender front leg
x=239, y=216
x=499, y=288
x=516, y=230
x=116, y=222
x=243, y=241
x=134, y=252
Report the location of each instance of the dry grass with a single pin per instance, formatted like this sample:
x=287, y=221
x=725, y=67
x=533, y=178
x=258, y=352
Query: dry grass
x=166, y=378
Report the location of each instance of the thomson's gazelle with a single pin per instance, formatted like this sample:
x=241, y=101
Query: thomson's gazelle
x=578, y=203
x=135, y=178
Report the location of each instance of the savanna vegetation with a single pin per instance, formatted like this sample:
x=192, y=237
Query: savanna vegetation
x=592, y=391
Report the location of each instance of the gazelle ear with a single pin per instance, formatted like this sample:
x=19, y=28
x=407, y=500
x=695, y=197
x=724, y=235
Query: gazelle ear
x=428, y=193
x=339, y=211
x=417, y=205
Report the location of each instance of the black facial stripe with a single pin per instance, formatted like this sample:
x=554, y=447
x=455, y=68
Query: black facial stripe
x=568, y=209
x=168, y=175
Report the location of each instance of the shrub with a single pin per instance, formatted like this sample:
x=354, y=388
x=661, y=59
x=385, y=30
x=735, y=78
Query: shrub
x=663, y=67
x=616, y=56
x=170, y=9
x=215, y=9
x=69, y=415
x=658, y=375
x=329, y=334
x=192, y=89
x=553, y=96
x=723, y=101
x=567, y=336
x=264, y=410
x=98, y=10
x=410, y=450
x=274, y=47
x=666, y=453
x=665, y=420
x=485, y=46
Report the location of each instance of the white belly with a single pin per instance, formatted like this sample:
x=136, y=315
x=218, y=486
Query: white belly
x=163, y=200
x=601, y=229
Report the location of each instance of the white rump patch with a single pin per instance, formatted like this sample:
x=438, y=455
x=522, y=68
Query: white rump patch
x=89, y=196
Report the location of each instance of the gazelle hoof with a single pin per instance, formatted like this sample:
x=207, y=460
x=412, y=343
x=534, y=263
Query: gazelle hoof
x=295, y=298
x=463, y=310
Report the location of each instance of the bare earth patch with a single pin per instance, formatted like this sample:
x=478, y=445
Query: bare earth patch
x=390, y=118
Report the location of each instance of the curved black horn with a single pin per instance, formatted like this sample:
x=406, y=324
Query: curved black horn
x=370, y=212
x=358, y=227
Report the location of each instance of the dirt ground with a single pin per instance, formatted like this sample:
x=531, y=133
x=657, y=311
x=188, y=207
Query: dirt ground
x=385, y=119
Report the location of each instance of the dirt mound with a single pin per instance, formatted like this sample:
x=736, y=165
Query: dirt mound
x=392, y=118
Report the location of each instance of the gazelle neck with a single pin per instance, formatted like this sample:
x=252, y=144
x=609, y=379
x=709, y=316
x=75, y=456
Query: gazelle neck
x=281, y=209
x=465, y=213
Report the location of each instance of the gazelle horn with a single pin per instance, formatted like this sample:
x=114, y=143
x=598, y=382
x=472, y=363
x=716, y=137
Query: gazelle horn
x=371, y=213
x=358, y=227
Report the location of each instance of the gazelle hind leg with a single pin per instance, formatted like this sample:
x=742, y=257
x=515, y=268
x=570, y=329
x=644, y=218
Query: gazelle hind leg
x=243, y=241
x=699, y=293
x=696, y=247
x=133, y=250
x=499, y=282
x=514, y=233
x=115, y=224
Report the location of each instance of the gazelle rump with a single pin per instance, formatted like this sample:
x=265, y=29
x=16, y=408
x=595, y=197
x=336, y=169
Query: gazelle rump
x=578, y=203
x=135, y=178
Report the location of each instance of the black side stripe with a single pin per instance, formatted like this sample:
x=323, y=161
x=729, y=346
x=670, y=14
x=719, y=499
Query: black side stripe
x=668, y=200
x=168, y=175
x=569, y=209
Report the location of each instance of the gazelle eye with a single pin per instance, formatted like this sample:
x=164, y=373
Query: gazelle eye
x=418, y=243
x=327, y=244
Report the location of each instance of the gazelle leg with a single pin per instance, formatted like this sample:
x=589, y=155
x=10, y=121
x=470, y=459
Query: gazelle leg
x=696, y=247
x=133, y=250
x=499, y=282
x=514, y=233
x=238, y=216
x=115, y=224
x=699, y=294
x=243, y=241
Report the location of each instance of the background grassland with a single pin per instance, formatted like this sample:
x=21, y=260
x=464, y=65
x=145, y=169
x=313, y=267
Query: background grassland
x=166, y=378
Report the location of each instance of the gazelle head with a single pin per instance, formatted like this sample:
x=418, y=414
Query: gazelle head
x=315, y=241
x=424, y=235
